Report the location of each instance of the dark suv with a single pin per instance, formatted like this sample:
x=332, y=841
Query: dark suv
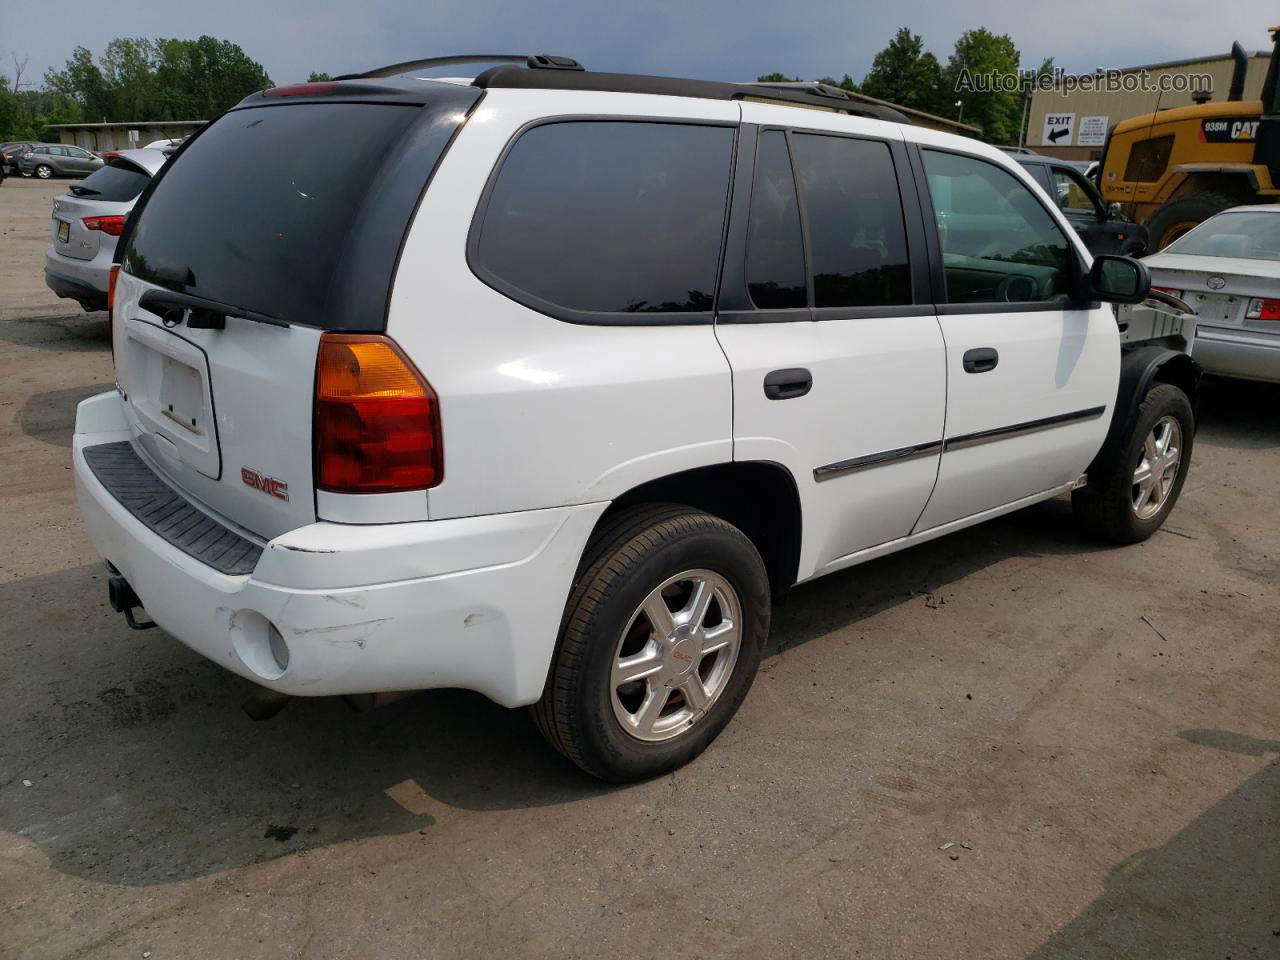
x=1103, y=229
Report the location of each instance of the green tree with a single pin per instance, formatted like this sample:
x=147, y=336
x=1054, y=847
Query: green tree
x=975, y=77
x=776, y=78
x=164, y=79
x=908, y=75
x=314, y=77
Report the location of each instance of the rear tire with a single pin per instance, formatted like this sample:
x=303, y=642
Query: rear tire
x=1130, y=494
x=44, y=171
x=653, y=558
x=1182, y=213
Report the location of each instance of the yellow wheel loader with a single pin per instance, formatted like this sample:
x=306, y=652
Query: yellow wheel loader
x=1172, y=169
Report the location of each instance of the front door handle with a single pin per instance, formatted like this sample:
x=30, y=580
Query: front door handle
x=789, y=383
x=980, y=359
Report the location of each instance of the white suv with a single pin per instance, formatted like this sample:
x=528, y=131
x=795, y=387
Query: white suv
x=546, y=385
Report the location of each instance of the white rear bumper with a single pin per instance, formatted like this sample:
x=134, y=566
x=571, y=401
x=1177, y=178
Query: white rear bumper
x=473, y=603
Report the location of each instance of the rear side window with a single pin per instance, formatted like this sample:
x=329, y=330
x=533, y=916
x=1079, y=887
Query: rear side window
x=608, y=217
x=118, y=182
x=857, y=240
x=255, y=212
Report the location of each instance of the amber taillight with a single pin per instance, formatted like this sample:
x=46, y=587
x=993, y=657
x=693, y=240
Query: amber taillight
x=377, y=420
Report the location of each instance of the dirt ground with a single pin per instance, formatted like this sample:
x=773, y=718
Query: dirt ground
x=1097, y=731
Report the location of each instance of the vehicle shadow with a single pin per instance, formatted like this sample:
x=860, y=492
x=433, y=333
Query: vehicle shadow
x=1240, y=414
x=51, y=417
x=77, y=333
x=145, y=770
x=1214, y=883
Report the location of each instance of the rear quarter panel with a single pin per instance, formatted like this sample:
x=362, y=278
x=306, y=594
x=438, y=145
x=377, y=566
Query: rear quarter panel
x=537, y=412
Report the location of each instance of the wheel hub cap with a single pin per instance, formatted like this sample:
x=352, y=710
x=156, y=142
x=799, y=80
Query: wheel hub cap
x=1157, y=469
x=676, y=655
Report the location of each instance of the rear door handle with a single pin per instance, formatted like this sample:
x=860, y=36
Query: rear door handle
x=980, y=359
x=789, y=383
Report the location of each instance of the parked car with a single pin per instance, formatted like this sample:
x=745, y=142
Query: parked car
x=11, y=153
x=88, y=219
x=552, y=404
x=1103, y=229
x=1228, y=270
x=46, y=160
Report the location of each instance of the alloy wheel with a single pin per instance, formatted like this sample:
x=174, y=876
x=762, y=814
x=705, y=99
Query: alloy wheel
x=676, y=655
x=1157, y=469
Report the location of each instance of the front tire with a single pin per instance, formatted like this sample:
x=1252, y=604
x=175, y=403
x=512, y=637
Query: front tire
x=661, y=640
x=1182, y=214
x=1133, y=491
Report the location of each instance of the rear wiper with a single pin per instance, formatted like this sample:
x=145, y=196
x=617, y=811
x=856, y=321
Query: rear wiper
x=85, y=191
x=205, y=314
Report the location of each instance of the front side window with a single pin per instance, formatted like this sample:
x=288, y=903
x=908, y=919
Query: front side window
x=857, y=241
x=1072, y=194
x=614, y=217
x=999, y=243
x=775, y=250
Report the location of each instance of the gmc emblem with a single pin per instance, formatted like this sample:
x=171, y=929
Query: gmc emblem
x=268, y=485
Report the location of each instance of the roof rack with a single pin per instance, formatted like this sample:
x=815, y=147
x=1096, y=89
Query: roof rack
x=802, y=94
x=541, y=61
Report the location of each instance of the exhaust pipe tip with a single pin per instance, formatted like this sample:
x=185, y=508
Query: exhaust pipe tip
x=1238, y=74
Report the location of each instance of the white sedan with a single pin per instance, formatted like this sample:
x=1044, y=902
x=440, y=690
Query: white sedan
x=1228, y=270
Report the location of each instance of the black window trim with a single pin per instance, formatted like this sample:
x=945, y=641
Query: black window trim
x=599, y=318
x=734, y=302
x=944, y=309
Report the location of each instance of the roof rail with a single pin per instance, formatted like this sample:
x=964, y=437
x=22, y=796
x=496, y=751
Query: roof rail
x=826, y=91
x=540, y=61
x=806, y=94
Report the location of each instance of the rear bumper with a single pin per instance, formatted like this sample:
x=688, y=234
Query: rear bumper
x=473, y=603
x=84, y=281
x=1246, y=354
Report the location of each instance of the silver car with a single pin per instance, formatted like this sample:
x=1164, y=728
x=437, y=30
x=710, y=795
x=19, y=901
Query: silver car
x=88, y=219
x=1228, y=270
x=47, y=160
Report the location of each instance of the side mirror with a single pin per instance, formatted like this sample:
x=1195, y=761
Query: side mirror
x=1118, y=279
x=1115, y=211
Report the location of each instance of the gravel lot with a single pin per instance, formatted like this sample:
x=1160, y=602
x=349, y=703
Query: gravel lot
x=1097, y=732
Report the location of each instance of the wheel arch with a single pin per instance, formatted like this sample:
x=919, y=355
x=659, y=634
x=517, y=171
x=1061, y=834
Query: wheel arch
x=759, y=497
x=1140, y=367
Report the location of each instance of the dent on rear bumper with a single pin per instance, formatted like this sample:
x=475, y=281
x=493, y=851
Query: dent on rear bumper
x=473, y=603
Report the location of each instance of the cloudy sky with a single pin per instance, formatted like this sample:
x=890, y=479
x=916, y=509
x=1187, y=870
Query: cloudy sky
x=727, y=40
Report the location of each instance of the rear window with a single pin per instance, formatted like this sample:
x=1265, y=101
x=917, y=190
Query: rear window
x=604, y=217
x=255, y=212
x=1148, y=160
x=118, y=182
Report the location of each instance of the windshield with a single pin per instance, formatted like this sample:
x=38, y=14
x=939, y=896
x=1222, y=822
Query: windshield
x=1249, y=235
x=119, y=181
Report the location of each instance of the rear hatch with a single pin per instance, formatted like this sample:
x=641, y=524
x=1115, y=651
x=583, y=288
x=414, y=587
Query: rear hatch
x=279, y=221
x=79, y=229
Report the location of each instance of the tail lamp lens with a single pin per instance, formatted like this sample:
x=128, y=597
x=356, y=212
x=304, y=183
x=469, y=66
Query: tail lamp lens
x=377, y=420
x=1263, y=310
x=109, y=225
x=112, y=275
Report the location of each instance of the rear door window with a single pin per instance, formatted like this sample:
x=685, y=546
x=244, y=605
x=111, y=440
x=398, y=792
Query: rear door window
x=604, y=221
x=118, y=182
x=254, y=214
x=775, y=249
x=857, y=237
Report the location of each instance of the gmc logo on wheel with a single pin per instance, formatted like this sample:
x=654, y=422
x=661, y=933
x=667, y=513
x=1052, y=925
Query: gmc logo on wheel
x=268, y=485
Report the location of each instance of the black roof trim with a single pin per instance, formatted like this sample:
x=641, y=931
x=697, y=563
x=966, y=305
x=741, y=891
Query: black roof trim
x=812, y=95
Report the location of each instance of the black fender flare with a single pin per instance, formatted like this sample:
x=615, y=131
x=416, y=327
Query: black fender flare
x=1140, y=367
